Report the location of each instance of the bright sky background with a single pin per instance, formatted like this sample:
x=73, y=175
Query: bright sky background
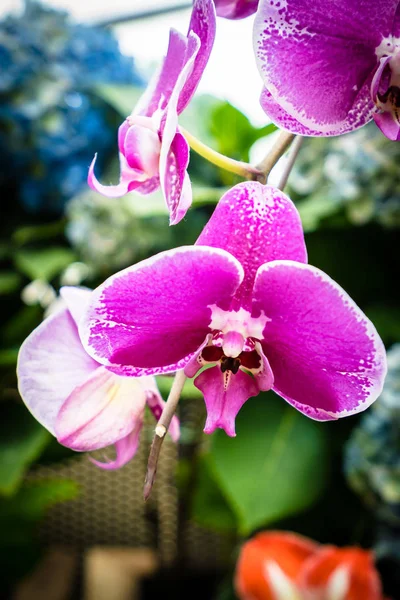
x=231, y=73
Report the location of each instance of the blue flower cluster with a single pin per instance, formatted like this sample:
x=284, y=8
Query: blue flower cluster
x=52, y=119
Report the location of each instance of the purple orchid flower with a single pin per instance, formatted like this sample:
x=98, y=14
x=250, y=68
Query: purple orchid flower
x=152, y=150
x=83, y=404
x=330, y=67
x=235, y=9
x=244, y=300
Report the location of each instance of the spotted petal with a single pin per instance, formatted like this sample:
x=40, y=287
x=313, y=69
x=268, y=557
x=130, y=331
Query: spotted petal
x=256, y=224
x=326, y=356
x=329, y=52
x=153, y=316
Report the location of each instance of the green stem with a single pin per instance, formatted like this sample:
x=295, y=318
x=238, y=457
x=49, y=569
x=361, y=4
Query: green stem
x=220, y=160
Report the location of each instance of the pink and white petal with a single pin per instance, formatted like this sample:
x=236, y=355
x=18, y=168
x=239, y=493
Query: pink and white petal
x=149, y=186
x=327, y=358
x=51, y=364
x=100, y=411
x=361, y=114
x=175, y=181
x=130, y=179
x=162, y=84
x=155, y=315
x=224, y=395
x=235, y=9
x=125, y=450
x=174, y=154
x=142, y=149
x=122, y=131
x=329, y=52
x=388, y=125
x=156, y=404
x=256, y=223
x=76, y=299
x=203, y=24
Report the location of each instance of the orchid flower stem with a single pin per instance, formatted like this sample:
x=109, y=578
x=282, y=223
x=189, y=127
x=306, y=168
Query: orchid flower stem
x=294, y=151
x=161, y=431
x=242, y=169
x=279, y=148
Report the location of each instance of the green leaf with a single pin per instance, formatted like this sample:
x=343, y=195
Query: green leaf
x=275, y=467
x=34, y=498
x=121, y=98
x=209, y=507
x=315, y=209
x=32, y=233
x=22, y=440
x=8, y=357
x=386, y=320
x=43, y=264
x=9, y=282
x=236, y=135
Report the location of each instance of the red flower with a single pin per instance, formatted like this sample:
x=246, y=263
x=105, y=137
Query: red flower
x=285, y=566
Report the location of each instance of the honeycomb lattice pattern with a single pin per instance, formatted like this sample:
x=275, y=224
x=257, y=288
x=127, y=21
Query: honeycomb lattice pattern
x=110, y=509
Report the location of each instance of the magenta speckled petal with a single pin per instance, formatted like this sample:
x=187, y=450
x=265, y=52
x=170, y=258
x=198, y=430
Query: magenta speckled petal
x=51, y=363
x=203, y=25
x=256, y=223
x=224, y=395
x=100, y=411
x=329, y=50
x=174, y=154
x=125, y=450
x=327, y=359
x=155, y=314
x=363, y=112
x=235, y=9
x=175, y=181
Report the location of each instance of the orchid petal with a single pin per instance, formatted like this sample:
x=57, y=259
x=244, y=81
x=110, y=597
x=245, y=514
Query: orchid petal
x=153, y=316
x=389, y=126
x=142, y=150
x=76, y=299
x=257, y=224
x=203, y=25
x=327, y=358
x=286, y=550
x=100, y=411
x=362, y=113
x=174, y=154
x=362, y=578
x=129, y=180
x=156, y=405
x=125, y=450
x=235, y=9
x=175, y=181
x=51, y=363
x=224, y=395
x=330, y=55
x=159, y=91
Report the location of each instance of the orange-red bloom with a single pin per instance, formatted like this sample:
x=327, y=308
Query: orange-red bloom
x=286, y=566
